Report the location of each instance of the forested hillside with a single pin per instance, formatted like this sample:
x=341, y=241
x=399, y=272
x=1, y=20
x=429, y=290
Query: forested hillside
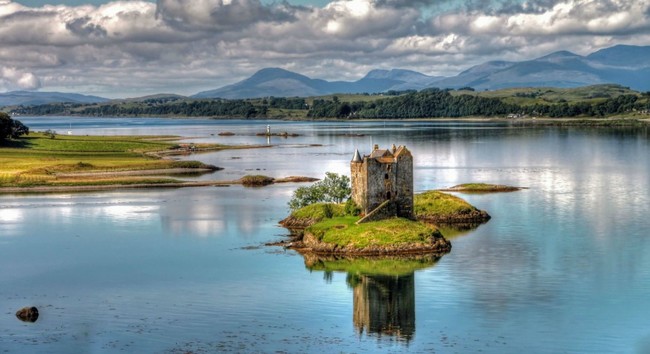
x=593, y=101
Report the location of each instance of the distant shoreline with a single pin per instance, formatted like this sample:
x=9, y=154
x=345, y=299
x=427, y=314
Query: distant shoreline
x=527, y=120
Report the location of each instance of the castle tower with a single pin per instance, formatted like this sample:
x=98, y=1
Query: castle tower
x=384, y=175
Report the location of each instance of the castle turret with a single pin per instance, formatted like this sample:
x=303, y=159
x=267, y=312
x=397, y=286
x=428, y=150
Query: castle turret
x=357, y=156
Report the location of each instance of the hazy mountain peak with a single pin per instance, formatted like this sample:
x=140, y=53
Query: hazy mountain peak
x=623, y=55
x=559, y=55
x=394, y=74
x=488, y=67
x=29, y=98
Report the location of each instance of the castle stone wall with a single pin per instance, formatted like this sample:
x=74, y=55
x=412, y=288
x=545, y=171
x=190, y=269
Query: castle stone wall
x=382, y=177
x=404, y=186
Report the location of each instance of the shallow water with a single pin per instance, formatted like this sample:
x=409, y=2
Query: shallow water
x=562, y=266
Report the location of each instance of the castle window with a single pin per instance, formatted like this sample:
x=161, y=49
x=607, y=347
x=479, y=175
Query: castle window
x=387, y=195
x=386, y=176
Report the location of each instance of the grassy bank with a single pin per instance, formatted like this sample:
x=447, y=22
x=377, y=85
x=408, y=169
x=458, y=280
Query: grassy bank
x=438, y=207
x=39, y=160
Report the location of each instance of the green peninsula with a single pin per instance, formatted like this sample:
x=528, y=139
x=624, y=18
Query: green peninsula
x=50, y=162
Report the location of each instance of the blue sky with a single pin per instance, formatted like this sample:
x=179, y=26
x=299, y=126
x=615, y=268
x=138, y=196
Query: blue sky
x=138, y=47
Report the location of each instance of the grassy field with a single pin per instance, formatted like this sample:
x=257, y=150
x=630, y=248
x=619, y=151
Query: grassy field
x=319, y=211
x=481, y=188
x=343, y=231
x=550, y=95
x=438, y=203
x=37, y=159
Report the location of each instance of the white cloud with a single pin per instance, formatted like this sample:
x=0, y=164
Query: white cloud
x=12, y=78
x=127, y=48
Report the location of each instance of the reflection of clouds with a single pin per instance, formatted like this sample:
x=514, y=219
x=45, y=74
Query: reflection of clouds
x=201, y=228
x=504, y=273
x=11, y=215
x=218, y=212
x=127, y=212
x=10, y=220
x=201, y=216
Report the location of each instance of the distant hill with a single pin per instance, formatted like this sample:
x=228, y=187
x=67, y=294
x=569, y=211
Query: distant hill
x=283, y=83
x=30, y=98
x=161, y=97
x=623, y=64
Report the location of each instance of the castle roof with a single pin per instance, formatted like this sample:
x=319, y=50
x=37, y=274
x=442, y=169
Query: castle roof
x=357, y=156
x=383, y=155
x=377, y=154
x=402, y=150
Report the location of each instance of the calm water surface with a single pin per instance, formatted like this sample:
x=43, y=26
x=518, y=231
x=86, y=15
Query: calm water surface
x=562, y=267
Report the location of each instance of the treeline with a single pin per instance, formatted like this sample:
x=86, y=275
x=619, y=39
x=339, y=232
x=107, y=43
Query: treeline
x=202, y=108
x=169, y=107
x=429, y=103
x=212, y=108
x=285, y=102
x=616, y=105
x=432, y=103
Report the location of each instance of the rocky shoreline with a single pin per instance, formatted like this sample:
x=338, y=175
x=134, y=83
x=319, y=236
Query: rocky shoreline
x=309, y=244
x=472, y=217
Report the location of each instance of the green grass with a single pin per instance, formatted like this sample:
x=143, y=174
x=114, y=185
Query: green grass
x=319, y=211
x=477, y=186
x=114, y=181
x=36, y=159
x=483, y=187
x=256, y=180
x=546, y=95
x=438, y=203
x=104, y=144
x=343, y=231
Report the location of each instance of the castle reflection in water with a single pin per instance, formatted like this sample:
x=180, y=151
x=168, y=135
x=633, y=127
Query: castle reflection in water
x=384, y=305
x=383, y=291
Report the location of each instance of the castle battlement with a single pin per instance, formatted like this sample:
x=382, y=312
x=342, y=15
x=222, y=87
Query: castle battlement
x=383, y=176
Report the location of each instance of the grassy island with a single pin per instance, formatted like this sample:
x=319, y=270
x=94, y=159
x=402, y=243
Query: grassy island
x=481, y=188
x=439, y=207
x=326, y=228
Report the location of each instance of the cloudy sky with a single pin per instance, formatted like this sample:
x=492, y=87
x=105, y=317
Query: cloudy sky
x=134, y=47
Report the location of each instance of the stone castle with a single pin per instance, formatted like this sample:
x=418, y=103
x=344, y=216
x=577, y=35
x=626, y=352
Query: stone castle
x=382, y=183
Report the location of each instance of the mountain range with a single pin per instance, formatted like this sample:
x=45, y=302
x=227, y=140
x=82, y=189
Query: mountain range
x=622, y=64
x=32, y=98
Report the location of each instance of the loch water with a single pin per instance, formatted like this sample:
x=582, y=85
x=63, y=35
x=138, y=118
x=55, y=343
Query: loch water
x=562, y=267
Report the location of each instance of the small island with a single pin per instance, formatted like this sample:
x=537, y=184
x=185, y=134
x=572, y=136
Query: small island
x=481, y=188
x=382, y=217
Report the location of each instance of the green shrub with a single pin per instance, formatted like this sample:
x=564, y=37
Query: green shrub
x=256, y=180
x=332, y=189
x=351, y=208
